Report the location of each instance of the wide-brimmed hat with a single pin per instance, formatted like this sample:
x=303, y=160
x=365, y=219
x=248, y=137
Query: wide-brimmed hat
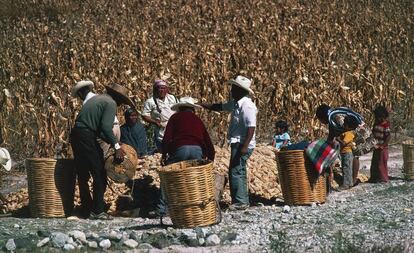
x=5, y=159
x=242, y=82
x=79, y=85
x=122, y=92
x=187, y=102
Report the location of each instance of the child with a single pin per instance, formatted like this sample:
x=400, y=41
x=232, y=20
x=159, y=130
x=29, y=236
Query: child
x=281, y=138
x=382, y=133
x=346, y=141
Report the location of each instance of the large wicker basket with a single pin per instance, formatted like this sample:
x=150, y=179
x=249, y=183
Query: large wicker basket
x=189, y=189
x=300, y=183
x=51, y=185
x=408, y=158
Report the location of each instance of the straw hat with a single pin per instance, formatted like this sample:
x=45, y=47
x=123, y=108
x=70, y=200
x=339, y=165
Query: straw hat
x=79, y=85
x=5, y=159
x=242, y=82
x=187, y=102
x=122, y=92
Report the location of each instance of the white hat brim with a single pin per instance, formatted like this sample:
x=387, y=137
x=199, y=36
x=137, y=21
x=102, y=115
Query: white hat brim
x=237, y=84
x=8, y=164
x=79, y=86
x=180, y=104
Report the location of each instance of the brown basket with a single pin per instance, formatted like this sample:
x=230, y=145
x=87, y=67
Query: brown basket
x=124, y=171
x=408, y=158
x=189, y=189
x=300, y=183
x=51, y=185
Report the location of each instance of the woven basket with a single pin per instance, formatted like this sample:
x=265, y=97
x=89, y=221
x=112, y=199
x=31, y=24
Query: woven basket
x=51, y=185
x=300, y=183
x=189, y=189
x=124, y=171
x=408, y=158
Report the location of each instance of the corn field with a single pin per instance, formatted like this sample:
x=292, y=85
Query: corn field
x=298, y=54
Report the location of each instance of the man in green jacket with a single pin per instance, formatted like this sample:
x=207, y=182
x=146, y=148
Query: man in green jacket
x=96, y=119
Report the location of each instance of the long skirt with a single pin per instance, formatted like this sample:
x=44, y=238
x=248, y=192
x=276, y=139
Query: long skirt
x=379, y=170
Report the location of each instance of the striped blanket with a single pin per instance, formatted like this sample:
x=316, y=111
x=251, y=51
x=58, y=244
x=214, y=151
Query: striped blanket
x=322, y=154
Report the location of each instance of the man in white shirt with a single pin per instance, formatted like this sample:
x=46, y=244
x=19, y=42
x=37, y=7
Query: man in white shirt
x=157, y=110
x=241, y=136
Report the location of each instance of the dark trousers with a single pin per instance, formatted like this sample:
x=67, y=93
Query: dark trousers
x=89, y=161
x=239, y=189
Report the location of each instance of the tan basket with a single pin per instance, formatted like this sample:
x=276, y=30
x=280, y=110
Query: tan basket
x=300, y=183
x=51, y=185
x=189, y=189
x=408, y=158
x=124, y=171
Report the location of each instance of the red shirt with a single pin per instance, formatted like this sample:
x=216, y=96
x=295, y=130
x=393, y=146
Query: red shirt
x=186, y=128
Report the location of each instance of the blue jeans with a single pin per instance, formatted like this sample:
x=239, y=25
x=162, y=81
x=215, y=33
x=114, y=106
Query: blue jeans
x=346, y=160
x=183, y=153
x=239, y=189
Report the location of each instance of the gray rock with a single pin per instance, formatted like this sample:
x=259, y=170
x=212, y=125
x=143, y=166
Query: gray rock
x=131, y=243
x=43, y=233
x=113, y=235
x=92, y=236
x=59, y=239
x=43, y=242
x=212, y=240
x=68, y=247
x=105, y=244
x=227, y=236
x=10, y=245
x=286, y=209
x=145, y=246
x=93, y=244
x=201, y=232
x=201, y=241
x=135, y=235
x=78, y=235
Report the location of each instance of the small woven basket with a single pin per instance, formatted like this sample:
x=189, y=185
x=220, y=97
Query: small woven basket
x=300, y=183
x=124, y=171
x=51, y=186
x=189, y=189
x=408, y=158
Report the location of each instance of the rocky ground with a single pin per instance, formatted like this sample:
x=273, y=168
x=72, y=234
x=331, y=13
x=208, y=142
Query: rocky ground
x=367, y=218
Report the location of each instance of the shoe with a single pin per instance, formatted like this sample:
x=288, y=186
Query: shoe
x=343, y=188
x=238, y=207
x=101, y=216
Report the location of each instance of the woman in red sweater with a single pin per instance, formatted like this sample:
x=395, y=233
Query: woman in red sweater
x=186, y=137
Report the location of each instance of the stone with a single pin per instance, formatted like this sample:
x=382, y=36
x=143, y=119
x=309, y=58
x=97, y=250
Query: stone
x=10, y=245
x=105, y=244
x=201, y=232
x=59, y=239
x=93, y=236
x=159, y=240
x=43, y=233
x=212, y=240
x=131, y=243
x=78, y=235
x=201, y=241
x=135, y=235
x=145, y=246
x=43, y=242
x=115, y=236
x=93, y=244
x=68, y=247
x=286, y=209
x=227, y=236
x=16, y=226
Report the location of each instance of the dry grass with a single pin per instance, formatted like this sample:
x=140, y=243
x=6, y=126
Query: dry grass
x=299, y=53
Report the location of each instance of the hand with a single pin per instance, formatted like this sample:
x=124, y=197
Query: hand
x=158, y=123
x=119, y=155
x=243, y=150
x=163, y=159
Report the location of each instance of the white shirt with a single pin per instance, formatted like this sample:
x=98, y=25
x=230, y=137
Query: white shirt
x=150, y=109
x=243, y=116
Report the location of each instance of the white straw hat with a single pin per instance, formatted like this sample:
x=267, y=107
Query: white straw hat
x=5, y=159
x=186, y=101
x=242, y=82
x=79, y=85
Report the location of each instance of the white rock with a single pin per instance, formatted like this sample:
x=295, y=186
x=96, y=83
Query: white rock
x=68, y=247
x=10, y=245
x=131, y=243
x=113, y=235
x=212, y=240
x=16, y=226
x=145, y=246
x=78, y=235
x=59, y=239
x=201, y=241
x=43, y=242
x=286, y=209
x=105, y=244
x=93, y=244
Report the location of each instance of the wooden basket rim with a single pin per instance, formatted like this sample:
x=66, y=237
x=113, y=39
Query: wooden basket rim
x=167, y=169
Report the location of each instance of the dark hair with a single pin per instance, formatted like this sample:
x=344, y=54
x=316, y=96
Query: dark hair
x=351, y=121
x=283, y=125
x=322, y=112
x=381, y=112
x=129, y=111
